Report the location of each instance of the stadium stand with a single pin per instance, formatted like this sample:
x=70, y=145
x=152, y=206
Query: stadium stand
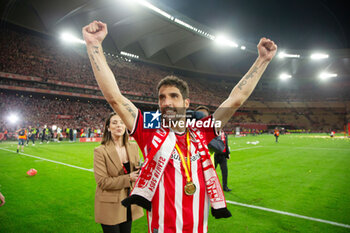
x=43, y=79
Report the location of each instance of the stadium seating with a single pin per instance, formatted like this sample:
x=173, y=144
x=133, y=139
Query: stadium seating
x=33, y=63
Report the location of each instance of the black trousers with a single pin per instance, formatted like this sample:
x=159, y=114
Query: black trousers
x=124, y=227
x=222, y=160
x=44, y=137
x=32, y=137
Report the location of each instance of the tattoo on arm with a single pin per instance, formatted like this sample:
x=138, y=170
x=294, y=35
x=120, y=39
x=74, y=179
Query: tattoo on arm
x=94, y=61
x=248, y=76
x=94, y=51
x=128, y=107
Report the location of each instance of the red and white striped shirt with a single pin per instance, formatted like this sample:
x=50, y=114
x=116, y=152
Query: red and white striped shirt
x=172, y=210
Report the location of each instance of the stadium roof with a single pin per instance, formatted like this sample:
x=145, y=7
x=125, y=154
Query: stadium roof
x=298, y=27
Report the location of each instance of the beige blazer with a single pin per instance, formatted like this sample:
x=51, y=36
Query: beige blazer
x=112, y=184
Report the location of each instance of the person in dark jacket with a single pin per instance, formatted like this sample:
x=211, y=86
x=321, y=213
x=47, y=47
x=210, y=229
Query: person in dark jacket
x=219, y=145
x=71, y=135
x=222, y=154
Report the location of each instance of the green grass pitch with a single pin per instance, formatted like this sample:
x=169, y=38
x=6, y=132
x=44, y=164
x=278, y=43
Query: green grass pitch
x=308, y=175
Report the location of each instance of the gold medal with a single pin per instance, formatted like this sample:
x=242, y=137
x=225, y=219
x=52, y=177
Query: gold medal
x=190, y=188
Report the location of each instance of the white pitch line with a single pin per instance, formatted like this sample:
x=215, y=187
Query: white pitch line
x=231, y=202
x=246, y=148
x=49, y=160
x=290, y=214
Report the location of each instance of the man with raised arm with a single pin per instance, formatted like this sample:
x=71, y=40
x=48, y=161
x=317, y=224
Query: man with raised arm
x=178, y=182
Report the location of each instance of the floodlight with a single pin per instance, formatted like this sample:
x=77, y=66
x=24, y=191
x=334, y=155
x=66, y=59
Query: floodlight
x=129, y=54
x=222, y=40
x=243, y=47
x=283, y=55
x=325, y=76
x=183, y=24
x=67, y=37
x=155, y=9
x=12, y=118
x=318, y=56
x=285, y=76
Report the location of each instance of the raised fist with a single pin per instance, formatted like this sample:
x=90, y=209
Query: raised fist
x=267, y=49
x=94, y=33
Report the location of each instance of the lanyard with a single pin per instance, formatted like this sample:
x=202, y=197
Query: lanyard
x=187, y=166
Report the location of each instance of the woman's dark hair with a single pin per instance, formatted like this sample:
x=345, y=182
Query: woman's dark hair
x=107, y=136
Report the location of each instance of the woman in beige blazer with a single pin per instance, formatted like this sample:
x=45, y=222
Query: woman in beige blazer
x=116, y=170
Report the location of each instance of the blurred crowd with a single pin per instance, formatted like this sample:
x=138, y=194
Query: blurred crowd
x=63, y=113
x=30, y=54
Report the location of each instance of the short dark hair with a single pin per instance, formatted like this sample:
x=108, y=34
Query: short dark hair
x=200, y=107
x=180, y=84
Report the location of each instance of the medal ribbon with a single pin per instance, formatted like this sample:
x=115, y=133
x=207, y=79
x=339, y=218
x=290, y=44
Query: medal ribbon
x=187, y=166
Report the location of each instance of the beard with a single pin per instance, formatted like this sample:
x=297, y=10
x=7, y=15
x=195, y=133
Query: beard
x=173, y=114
